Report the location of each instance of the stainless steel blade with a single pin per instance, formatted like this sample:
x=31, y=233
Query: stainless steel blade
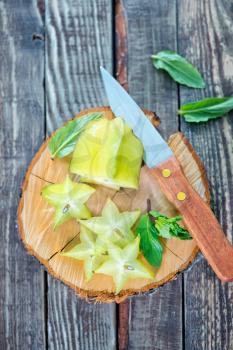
x=156, y=150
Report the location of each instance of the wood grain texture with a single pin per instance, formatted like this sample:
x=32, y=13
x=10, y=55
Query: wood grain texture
x=77, y=324
x=149, y=317
x=79, y=39
x=198, y=218
x=151, y=27
x=22, y=120
x=204, y=36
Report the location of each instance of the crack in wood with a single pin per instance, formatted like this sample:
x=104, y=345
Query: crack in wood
x=165, y=246
x=61, y=249
x=41, y=178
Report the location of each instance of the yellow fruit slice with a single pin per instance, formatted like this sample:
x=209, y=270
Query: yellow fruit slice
x=91, y=250
x=123, y=264
x=68, y=200
x=113, y=226
x=95, y=155
x=129, y=160
x=108, y=245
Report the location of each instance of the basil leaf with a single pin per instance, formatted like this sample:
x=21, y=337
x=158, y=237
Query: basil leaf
x=149, y=241
x=179, y=68
x=204, y=110
x=168, y=227
x=62, y=143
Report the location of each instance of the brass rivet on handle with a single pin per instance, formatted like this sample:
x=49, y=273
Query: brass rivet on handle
x=181, y=196
x=166, y=172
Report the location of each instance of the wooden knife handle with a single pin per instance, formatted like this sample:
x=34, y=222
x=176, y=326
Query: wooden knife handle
x=197, y=216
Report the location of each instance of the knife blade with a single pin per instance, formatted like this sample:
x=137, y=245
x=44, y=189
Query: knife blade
x=156, y=149
x=165, y=168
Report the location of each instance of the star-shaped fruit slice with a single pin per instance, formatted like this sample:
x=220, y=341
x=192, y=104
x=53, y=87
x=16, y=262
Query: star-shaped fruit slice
x=113, y=226
x=123, y=264
x=91, y=250
x=68, y=199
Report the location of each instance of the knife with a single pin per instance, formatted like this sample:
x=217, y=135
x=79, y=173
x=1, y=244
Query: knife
x=163, y=165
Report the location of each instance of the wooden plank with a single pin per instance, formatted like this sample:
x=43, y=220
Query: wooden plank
x=155, y=320
x=75, y=324
x=204, y=36
x=120, y=27
x=22, y=120
x=79, y=40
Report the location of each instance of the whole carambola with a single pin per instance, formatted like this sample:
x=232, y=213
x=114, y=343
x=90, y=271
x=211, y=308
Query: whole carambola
x=108, y=153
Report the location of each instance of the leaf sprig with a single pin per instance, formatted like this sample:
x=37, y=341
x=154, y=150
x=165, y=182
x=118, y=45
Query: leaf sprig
x=151, y=227
x=206, y=109
x=64, y=140
x=178, y=68
x=169, y=227
x=185, y=73
x=150, y=244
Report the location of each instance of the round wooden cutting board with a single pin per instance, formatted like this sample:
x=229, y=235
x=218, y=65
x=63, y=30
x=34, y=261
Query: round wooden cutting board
x=35, y=218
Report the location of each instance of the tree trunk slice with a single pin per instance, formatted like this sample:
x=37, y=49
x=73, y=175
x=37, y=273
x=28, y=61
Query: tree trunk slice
x=35, y=219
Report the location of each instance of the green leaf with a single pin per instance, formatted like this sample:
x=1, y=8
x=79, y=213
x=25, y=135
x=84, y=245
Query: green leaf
x=204, y=110
x=168, y=227
x=179, y=68
x=62, y=143
x=149, y=241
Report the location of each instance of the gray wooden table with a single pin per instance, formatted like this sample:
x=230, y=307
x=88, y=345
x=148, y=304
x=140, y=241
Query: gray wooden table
x=50, y=53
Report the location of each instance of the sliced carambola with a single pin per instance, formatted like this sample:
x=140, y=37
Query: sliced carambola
x=123, y=264
x=113, y=226
x=129, y=160
x=91, y=250
x=95, y=155
x=68, y=199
